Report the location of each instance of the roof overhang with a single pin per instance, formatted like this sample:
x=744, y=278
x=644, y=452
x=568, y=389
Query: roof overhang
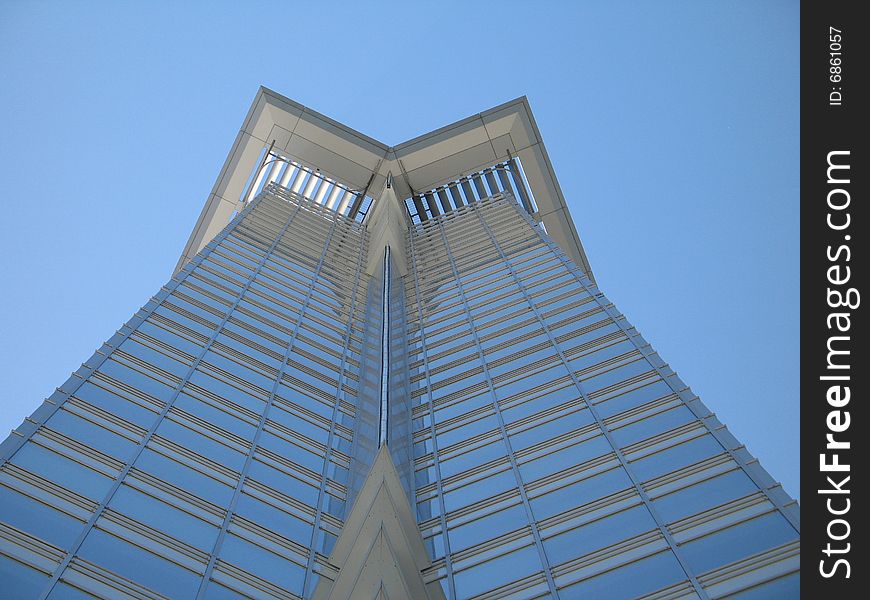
x=363, y=163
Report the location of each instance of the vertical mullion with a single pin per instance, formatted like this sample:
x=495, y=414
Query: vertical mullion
x=517, y=176
x=469, y=193
x=418, y=206
x=456, y=195
x=443, y=200
x=354, y=208
x=430, y=202
x=490, y=180
x=478, y=186
x=504, y=179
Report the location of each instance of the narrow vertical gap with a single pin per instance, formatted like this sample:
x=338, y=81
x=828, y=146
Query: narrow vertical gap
x=385, y=351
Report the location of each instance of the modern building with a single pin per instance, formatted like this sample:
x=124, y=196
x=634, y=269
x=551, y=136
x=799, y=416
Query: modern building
x=385, y=372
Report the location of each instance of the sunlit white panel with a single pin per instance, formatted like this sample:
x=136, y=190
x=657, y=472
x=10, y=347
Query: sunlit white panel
x=345, y=200
x=289, y=173
x=309, y=187
x=261, y=173
x=274, y=170
x=321, y=191
x=333, y=196
x=297, y=184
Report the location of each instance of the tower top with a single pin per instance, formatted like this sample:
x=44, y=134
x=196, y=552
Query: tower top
x=278, y=133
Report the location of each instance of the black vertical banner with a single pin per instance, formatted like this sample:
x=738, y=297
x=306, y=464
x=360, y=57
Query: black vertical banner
x=834, y=301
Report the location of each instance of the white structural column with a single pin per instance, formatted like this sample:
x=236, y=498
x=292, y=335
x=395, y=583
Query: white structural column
x=380, y=551
x=388, y=226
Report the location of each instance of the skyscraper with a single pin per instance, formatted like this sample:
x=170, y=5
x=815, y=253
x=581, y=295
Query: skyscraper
x=385, y=372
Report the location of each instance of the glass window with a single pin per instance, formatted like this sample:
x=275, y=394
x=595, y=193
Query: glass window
x=204, y=311
x=522, y=409
x=550, y=429
x=263, y=563
x=228, y=345
x=114, y=404
x=155, y=357
x=580, y=493
x=704, y=495
x=277, y=520
x=280, y=414
x=784, y=588
x=626, y=371
x=250, y=333
x=203, y=328
x=653, y=425
x=434, y=546
x=201, y=444
x=738, y=541
x=37, y=519
x=486, y=528
x=203, y=281
x=62, y=471
x=140, y=381
x=465, y=366
x=598, y=534
x=632, y=580
x=302, y=344
x=283, y=483
x=599, y=355
x=91, y=434
x=215, y=591
x=139, y=565
x=163, y=517
x=291, y=451
x=676, y=457
x=227, y=277
x=472, y=457
x=428, y=508
x=184, y=477
x=514, y=354
x=64, y=591
x=498, y=571
x=19, y=580
x=466, y=431
x=444, y=412
x=228, y=392
x=239, y=370
x=173, y=339
x=228, y=250
x=292, y=397
x=633, y=398
x=216, y=416
x=295, y=375
x=281, y=304
x=479, y=490
x=565, y=458
x=526, y=384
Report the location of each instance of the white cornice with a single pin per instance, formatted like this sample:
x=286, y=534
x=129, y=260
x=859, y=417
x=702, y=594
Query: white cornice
x=361, y=162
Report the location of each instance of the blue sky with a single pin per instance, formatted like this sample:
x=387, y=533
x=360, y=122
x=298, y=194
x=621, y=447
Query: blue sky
x=672, y=126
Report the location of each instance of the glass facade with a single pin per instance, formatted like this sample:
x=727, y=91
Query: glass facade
x=204, y=451
x=213, y=447
x=555, y=453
